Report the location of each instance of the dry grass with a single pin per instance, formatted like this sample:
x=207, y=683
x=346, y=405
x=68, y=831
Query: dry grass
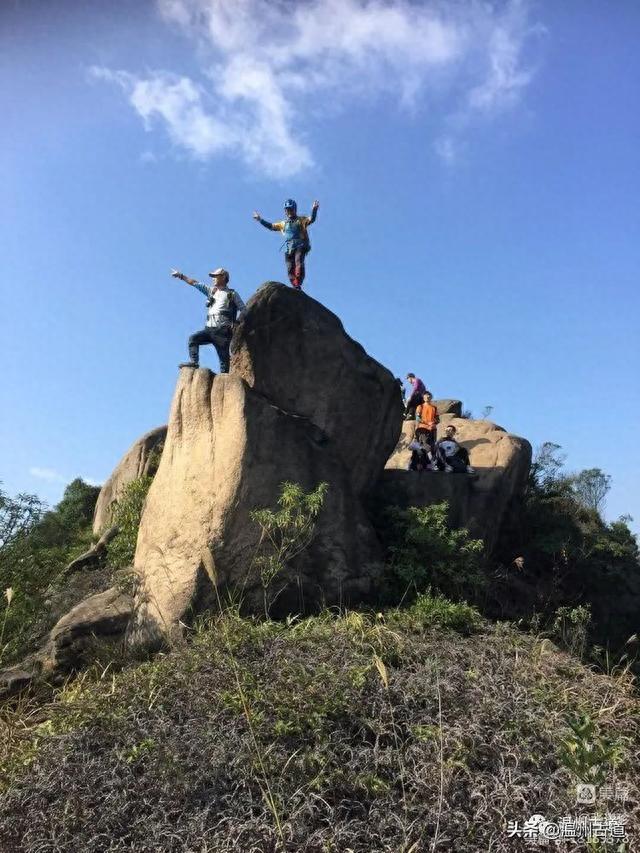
x=374, y=734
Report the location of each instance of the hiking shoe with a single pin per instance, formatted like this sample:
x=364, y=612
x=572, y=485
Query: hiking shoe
x=432, y=467
x=470, y=470
x=448, y=469
x=193, y=364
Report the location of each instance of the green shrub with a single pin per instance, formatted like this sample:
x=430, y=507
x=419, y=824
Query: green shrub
x=570, y=628
x=35, y=547
x=571, y=556
x=424, y=551
x=431, y=611
x=586, y=753
x=287, y=531
x=126, y=513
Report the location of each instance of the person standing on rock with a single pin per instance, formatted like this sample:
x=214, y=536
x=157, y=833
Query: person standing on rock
x=296, y=238
x=453, y=457
x=224, y=309
x=415, y=398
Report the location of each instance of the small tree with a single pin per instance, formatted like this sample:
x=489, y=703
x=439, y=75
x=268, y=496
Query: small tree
x=547, y=464
x=591, y=487
x=287, y=531
x=18, y=515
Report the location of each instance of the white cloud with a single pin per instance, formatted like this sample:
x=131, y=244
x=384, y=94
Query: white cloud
x=267, y=66
x=53, y=476
x=49, y=474
x=91, y=481
x=446, y=148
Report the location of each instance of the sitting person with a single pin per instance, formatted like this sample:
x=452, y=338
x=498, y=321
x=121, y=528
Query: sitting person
x=427, y=420
x=422, y=455
x=415, y=398
x=451, y=456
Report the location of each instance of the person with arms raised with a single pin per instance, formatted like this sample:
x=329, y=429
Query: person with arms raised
x=224, y=309
x=296, y=238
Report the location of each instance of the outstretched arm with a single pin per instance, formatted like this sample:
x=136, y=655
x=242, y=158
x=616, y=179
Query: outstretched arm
x=272, y=226
x=192, y=281
x=314, y=211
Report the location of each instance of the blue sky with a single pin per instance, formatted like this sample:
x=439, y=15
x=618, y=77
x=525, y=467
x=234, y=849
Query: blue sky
x=477, y=166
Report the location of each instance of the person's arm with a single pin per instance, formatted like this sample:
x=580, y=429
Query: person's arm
x=314, y=212
x=240, y=306
x=191, y=281
x=272, y=226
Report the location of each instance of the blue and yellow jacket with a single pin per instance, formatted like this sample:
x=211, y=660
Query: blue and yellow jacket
x=294, y=231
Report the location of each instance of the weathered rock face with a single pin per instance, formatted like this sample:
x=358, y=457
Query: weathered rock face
x=101, y=617
x=140, y=460
x=104, y=616
x=295, y=352
x=481, y=504
x=449, y=407
x=291, y=410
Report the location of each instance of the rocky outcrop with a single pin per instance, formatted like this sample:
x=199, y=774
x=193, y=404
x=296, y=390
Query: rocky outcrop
x=103, y=617
x=483, y=503
x=449, y=407
x=291, y=410
x=295, y=353
x=142, y=459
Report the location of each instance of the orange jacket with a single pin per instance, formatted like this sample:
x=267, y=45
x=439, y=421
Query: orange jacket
x=428, y=415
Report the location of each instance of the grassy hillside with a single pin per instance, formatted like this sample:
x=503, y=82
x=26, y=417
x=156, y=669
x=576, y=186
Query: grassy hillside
x=416, y=730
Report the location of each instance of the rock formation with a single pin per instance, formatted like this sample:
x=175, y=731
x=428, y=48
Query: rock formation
x=296, y=354
x=303, y=403
x=99, y=618
x=142, y=458
x=291, y=410
x=481, y=504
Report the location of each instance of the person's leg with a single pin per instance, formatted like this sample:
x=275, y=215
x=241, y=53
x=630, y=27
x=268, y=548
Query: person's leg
x=290, y=260
x=431, y=445
x=195, y=342
x=463, y=455
x=221, y=339
x=412, y=404
x=300, y=270
x=457, y=463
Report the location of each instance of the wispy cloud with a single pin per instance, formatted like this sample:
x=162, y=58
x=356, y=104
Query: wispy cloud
x=267, y=66
x=53, y=476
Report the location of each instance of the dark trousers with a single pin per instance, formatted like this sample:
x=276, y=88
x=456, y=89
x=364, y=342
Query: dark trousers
x=458, y=462
x=412, y=404
x=419, y=460
x=427, y=437
x=220, y=338
x=295, y=266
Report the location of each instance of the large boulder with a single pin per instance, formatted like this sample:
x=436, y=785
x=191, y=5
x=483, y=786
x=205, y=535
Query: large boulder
x=482, y=503
x=227, y=451
x=99, y=618
x=142, y=459
x=103, y=617
x=295, y=352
